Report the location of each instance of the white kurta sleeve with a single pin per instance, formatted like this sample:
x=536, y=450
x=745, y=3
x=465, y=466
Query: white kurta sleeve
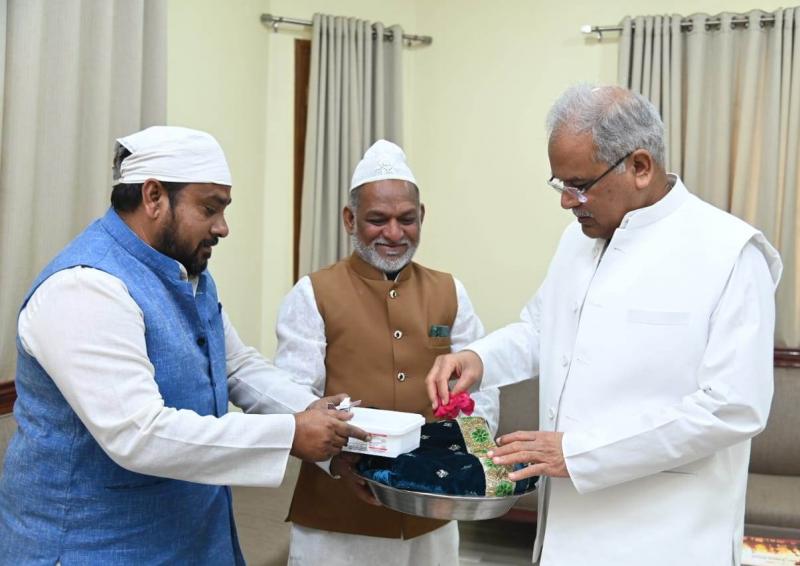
x=302, y=343
x=255, y=384
x=86, y=331
x=730, y=405
x=511, y=354
x=467, y=328
x=301, y=339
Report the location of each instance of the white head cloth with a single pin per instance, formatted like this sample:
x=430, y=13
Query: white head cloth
x=384, y=160
x=172, y=154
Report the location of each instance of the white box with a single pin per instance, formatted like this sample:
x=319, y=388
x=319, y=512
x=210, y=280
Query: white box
x=393, y=432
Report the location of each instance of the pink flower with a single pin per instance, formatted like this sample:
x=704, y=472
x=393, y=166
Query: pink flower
x=461, y=403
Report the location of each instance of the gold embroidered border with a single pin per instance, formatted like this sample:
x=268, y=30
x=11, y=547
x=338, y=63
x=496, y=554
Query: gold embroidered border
x=478, y=441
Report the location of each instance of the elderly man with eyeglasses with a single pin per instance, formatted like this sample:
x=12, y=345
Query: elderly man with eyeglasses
x=652, y=338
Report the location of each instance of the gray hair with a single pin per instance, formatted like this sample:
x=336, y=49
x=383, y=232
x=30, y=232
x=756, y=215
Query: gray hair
x=619, y=120
x=355, y=198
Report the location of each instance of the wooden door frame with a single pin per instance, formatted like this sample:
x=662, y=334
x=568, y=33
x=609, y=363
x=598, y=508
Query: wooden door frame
x=302, y=70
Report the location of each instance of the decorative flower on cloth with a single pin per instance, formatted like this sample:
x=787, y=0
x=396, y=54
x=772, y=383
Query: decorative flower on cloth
x=451, y=459
x=461, y=403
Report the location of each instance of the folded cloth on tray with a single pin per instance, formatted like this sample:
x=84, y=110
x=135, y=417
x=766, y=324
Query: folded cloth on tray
x=451, y=460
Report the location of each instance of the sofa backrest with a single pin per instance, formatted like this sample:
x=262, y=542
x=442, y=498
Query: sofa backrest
x=776, y=451
x=7, y=428
x=519, y=407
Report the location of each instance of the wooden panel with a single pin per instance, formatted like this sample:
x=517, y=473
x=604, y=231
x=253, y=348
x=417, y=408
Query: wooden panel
x=8, y=394
x=517, y=515
x=786, y=358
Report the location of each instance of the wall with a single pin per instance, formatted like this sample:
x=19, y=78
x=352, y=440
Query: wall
x=475, y=106
x=230, y=75
x=278, y=155
x=217, y=81
x=479, y=150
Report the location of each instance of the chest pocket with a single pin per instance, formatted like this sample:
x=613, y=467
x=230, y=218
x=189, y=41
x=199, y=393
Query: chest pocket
x=658, y=318
x=440, y=343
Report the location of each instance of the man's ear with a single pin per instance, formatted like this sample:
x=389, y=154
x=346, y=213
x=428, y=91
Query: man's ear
x=421, y=213
x=643, y=168
x=154, y=198
x=349, y=220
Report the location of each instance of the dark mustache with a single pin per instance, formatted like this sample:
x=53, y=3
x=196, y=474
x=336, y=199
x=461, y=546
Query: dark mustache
x=210, y=242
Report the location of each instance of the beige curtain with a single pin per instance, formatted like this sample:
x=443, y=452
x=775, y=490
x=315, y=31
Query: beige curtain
x=730, y=99
x=354, y=99
x=77, y=75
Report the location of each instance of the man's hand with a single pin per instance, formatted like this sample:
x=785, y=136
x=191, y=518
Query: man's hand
x=342, y=466
x=466, y=366
x=319, y=434
x=540, y=450
x=322, y=404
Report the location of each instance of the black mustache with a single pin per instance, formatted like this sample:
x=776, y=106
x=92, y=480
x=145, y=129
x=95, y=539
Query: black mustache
x=209, y=243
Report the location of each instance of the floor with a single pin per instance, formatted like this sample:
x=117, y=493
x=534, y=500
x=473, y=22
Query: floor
x=264, y=535
x=496, y=543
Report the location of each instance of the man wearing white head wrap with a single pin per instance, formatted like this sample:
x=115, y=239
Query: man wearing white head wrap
x=172, y=154
x=126, y=363
x=371, y=325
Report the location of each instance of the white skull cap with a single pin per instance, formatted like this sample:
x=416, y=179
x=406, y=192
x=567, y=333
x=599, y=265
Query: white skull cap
x=172, y=154
x=384, y=160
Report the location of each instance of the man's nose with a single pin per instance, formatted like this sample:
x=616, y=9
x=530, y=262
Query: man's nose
x=393, y=231
x=220, y=228
x=569, y=200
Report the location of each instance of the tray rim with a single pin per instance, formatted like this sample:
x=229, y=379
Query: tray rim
x=427, y=494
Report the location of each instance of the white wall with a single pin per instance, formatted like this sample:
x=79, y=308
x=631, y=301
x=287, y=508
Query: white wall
x=278, y=152
x=231, y=76
x=475, y=107
x=478, y=142
x=217, y=81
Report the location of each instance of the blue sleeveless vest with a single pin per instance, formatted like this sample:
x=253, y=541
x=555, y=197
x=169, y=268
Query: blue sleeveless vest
x=61, y=497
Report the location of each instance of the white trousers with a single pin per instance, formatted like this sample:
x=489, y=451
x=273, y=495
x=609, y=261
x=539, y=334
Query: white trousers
x=312, y=546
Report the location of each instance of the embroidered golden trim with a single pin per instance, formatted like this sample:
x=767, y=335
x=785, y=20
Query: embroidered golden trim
x=478, y=440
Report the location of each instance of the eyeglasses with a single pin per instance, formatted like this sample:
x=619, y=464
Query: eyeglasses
x=579, y=190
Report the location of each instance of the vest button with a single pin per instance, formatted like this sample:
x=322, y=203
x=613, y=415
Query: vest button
x=393, y=294
x=401, y=376
x=201, y=341
x=398, y=334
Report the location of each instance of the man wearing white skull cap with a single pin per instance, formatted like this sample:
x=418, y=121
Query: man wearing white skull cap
x=396, y=316
x=126, y=363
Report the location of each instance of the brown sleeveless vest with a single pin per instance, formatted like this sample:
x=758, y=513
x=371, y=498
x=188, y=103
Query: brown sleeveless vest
x=378, y=350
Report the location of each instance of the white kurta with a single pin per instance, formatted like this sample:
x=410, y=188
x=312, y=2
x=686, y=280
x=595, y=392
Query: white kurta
x=301, y=352
x=84, y=328
x=655, y=360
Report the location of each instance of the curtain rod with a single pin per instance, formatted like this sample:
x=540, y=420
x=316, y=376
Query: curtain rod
x=274, y=21
x=686, y=24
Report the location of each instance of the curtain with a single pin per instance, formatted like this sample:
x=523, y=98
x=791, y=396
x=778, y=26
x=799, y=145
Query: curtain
x=729, y=96
x=355, y=98
x=77, y=75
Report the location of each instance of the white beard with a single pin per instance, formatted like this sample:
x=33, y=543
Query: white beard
x=370, y=254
